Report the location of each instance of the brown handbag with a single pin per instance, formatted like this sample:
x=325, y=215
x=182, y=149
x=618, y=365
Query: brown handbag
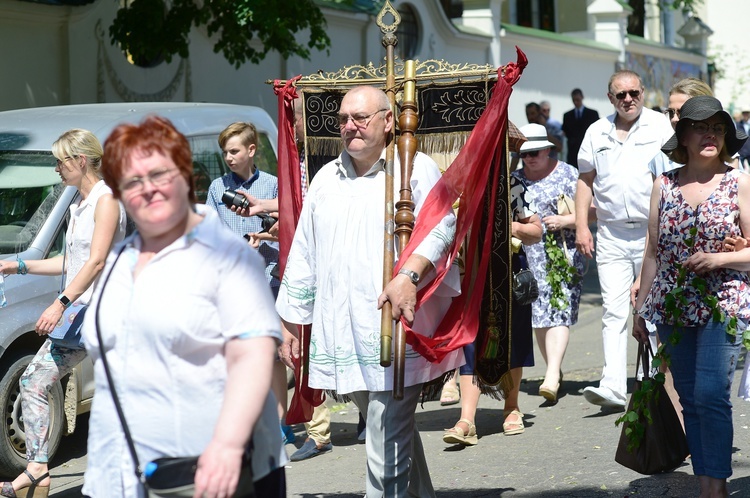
x=515, y=138
x=663, y=446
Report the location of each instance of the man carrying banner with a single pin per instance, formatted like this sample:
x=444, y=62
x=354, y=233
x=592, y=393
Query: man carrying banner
x=333, y=280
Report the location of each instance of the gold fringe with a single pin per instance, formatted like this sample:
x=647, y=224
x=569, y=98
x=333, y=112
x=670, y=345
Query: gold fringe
x=325, y=146
x=435, y=143
x=500, y=390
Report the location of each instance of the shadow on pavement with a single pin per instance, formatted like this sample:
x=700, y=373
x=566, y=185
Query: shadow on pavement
x=74, y=445
x=665, y=485
x=675, y=485
x=69, y=493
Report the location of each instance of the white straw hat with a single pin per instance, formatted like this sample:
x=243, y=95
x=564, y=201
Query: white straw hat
x=536, y=138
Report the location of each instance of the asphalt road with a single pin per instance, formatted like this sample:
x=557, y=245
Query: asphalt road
x=567, y=450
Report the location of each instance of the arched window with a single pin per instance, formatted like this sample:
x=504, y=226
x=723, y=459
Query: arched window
x=407, y=33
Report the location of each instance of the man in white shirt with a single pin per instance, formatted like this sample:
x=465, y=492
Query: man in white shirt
x=613, y=170
x=333, y=279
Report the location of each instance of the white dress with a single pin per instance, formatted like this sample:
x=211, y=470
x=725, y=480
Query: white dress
x=165, y=335
x=333, y=277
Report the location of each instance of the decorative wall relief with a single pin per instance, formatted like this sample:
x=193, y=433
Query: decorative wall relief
x=105, y=71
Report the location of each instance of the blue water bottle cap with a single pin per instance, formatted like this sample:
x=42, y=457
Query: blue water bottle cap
x=150, y=469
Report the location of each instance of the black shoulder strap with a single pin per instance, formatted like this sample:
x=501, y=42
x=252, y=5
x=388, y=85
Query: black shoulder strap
x=110, y=381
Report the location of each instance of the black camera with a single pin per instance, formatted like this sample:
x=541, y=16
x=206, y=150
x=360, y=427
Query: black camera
x=267, y=221
x=234, y=198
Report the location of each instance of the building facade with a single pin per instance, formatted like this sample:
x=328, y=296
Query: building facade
x=59, y=53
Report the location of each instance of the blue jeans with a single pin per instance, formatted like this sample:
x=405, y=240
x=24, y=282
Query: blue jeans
x=703, y=364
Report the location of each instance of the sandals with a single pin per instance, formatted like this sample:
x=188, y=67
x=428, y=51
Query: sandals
x=449, y=395
x=511, y=428
x=33, y=490
x=456, y=435
x=550, y=393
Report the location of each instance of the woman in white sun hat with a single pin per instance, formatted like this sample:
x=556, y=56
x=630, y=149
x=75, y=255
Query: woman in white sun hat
x=557, y=266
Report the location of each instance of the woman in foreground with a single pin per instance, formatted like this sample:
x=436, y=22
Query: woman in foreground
x=693, y=209
x=186, y=316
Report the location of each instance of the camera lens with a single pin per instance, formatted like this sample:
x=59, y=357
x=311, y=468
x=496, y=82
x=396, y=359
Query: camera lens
x=232, y=198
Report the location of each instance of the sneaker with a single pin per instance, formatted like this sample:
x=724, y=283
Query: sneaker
x=309, y=450
x=287, y=434
x=603, y=396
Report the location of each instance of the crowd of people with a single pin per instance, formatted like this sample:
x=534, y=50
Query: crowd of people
x=667, y=194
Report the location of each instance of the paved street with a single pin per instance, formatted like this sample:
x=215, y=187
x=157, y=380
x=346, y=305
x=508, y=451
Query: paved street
x=567, y=449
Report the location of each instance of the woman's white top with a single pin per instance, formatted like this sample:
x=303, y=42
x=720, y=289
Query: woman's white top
x=81, y=232
x=165, y=334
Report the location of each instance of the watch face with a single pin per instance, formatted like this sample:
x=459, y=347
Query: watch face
x=413, y=276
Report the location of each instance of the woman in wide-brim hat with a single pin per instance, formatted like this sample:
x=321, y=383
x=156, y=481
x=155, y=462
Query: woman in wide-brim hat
x=546, y=179
x=693, y=209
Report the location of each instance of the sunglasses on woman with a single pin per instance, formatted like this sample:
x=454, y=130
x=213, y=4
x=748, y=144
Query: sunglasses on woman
x=532, y=153
x=701, y=127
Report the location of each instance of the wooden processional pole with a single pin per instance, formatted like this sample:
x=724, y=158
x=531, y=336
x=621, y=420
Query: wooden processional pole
x=407, y=149
x=392, y=335
x=386, y=317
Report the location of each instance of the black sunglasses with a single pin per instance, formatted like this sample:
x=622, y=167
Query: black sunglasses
x=532, y=153
x=672, y=113
x=634, y=94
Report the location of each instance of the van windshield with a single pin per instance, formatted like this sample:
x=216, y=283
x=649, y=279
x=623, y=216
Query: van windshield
x=29, y=189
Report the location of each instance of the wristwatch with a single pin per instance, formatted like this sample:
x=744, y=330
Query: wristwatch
x=413, y=276
x=64, y=300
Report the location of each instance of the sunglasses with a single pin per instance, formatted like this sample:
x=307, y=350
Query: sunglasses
x=701, y=127
x=671, y=113
x=533, y=153
x=634, y=94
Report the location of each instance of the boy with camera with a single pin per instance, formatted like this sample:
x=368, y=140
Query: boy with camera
x=233, y=195
x=239, y=143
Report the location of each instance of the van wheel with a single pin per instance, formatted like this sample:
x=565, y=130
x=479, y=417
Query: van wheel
x=12, y=436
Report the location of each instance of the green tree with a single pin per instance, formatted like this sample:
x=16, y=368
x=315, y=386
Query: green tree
x=688, y=6
x=154, y=30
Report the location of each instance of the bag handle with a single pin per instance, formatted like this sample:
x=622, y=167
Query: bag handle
x=645, y=355
x=108, y=373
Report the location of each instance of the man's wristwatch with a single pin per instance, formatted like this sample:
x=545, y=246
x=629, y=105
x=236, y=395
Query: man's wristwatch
x=64, y=300
x=413, y=276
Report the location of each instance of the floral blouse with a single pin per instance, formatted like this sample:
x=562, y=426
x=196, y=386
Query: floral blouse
x=715, y=218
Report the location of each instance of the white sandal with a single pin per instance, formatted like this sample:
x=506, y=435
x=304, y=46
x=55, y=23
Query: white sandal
x=456, y=435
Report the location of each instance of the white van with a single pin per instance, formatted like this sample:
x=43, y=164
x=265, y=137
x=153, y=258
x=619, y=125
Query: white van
x=33, y=220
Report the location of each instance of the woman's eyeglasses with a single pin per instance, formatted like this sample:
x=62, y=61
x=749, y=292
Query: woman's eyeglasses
x=359, y=120
x=158, y=178
x=533, y=153
x=65, y=160
x=671, y=113
x=634, y=94
x=701, y=127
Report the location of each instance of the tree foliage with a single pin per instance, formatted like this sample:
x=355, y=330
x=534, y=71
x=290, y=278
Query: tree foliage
x=688, y=6
x=245, y=30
